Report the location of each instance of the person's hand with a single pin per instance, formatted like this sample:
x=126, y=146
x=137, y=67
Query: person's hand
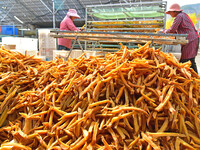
x=159, y=32
x=164, y=31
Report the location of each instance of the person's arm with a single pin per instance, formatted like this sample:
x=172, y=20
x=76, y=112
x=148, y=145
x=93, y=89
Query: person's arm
x=72, y=27
x=175, y=25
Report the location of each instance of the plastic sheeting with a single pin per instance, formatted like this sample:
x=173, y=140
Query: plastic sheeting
x=132, y=12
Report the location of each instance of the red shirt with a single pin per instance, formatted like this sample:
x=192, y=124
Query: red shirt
x=183, y=25
x=68, y=25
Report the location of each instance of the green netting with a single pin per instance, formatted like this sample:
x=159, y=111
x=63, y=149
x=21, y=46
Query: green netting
x=131, y=12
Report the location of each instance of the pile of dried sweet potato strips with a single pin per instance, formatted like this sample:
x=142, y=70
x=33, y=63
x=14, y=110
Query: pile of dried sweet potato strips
x=131, y=99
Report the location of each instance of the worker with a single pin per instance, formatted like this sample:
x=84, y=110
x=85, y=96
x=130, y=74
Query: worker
x=183, y=25
x=67, y=25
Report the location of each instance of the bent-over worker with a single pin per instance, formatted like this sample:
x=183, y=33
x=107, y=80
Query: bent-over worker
x=183, y=25
x=68, y=25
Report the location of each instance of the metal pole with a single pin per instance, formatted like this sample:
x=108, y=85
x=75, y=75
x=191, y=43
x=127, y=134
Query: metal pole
x=54, y=15
x=46, y=6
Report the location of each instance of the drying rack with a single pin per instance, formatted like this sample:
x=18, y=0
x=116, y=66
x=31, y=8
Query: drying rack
x=135, y=37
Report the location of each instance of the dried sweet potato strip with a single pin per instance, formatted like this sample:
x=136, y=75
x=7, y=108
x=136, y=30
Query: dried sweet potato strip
x=182, y=121
x=185, y=144
x=99, y=103
x=42, y=142
x=160, y=134
x=47, y=87
x=164, y=126
x=66, y=89
x=96, y=90
x=127, y=101
x=114, y=70
x=10, y=145
x=95, y=130
x=78, y=145
x=119, y=94
x=182, y=105
x=114, y=119
x=114, y=137
x=128, y=124
x=195, y=145
x=197, y=123
x=124, y=81
x=107, y=146
x=149, y=141
x=146, y=97
x=167, y=97
x=152, y=81
x=3, y=116
x=122, y=108
x=91, y=85
x=195, y=138
x=7, y=100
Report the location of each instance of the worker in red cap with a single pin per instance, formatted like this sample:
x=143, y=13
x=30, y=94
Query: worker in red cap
x=183, y=25
x=67, y=25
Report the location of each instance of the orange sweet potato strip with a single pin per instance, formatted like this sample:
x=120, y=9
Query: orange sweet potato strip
x=114, y=70
x=107, y=146
x=91, y=85
x=165, y=101
x=114, y=137
x=121, y=90
x=149, y=141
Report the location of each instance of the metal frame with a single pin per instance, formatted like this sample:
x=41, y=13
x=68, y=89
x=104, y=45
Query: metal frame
x=119, y=33
x=92, y=23
x=121, y=37
x=125, y=4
